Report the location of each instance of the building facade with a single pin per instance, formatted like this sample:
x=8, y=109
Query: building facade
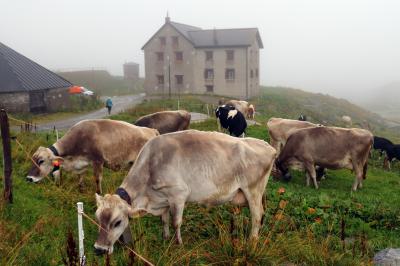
x=185, y=59
x=131, y=71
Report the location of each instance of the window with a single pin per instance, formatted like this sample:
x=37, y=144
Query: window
x=210, y=88
x=209, y=55
x=160, y=56
x=256, y=72
x=251, y=73
x=160, y=79
x=230, y=55
x=230, y=74
x=163, y=41
x=209, y=73
x=179, y=79
x=178, y=56
x=175, y=41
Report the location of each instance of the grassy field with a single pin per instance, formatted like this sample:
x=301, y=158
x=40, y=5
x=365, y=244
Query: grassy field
x=329, y=226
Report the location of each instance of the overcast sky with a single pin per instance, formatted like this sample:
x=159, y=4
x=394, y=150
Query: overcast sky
x=340, y=47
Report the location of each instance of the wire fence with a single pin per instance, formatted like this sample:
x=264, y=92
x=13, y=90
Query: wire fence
x=86, y=216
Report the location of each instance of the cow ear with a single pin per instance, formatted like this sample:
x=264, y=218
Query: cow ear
x=136, y=213
x=99, y=200
x=58, y=158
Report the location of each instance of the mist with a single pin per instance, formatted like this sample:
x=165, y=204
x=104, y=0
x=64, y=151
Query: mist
x=347, y=49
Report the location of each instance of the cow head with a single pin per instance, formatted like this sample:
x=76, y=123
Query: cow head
x=281, y=171
x=113, y=215
x=251, y=111
x=44, y=163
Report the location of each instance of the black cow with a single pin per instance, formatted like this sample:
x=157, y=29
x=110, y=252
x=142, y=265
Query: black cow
x=302, y=118
x=386, y=146
x=382, y=144
x=231, y=119
x=392, y=153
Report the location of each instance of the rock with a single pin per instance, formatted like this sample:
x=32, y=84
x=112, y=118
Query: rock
x=387, y=257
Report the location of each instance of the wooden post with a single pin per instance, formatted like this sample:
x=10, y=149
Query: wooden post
x=5, y=135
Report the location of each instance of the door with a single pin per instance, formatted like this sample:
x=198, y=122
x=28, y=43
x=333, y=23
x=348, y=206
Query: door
x=36, y=101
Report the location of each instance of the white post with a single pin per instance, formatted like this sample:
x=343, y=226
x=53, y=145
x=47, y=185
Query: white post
x=57, y=134
x=82, y=258
x=208, y=110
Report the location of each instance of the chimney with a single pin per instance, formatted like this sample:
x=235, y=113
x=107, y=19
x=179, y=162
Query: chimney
x=167, y=18
x=215, y=36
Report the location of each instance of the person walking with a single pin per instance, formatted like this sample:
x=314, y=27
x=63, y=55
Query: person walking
x=109, y=105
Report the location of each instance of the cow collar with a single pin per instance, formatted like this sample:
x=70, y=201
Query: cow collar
x=54, y=150
x=56, y=167
x=121, y=192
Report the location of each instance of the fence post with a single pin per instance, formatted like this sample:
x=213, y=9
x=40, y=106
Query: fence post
x=208, y=110
x=82, y=258
x=5, y=135
x=57, y=134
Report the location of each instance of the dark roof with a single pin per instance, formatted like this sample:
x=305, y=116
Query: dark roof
x=216, y=37
x=18, y=73
x=225, y=37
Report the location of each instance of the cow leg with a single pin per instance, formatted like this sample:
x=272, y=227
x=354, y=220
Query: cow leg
x=165, y=222
x=177, y=213
x=311, y=174
x=254, y=199
x=359, y=177
x=98, y=174
x=81, y=186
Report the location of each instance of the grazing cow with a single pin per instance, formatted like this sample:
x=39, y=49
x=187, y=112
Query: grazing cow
x=384, y=146
x=251, y=112
x=328, y=147
x=280, y=130
x=208, y=168
x=231, y=119
x=391, y=154
x=100, y=142
x=166, y=121
x=242, y=106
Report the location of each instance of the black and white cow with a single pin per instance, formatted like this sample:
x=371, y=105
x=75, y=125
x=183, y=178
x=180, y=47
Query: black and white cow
x=231, y=119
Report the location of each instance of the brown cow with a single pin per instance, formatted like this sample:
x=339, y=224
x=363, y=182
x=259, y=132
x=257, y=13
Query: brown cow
x=166, y=121
x=190, y=166
x=327, y=147
x=244, y=107
x=280, y=130
x=100, y=142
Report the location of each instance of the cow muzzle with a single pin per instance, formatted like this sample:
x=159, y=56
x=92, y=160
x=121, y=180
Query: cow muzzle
x=99, y=251
x=32, y=179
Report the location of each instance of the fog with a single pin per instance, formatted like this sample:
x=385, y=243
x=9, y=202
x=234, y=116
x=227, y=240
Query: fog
x=346, y=48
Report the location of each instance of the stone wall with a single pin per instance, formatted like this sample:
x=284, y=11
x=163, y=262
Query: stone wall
x=15, y=102
x=18, y=102
x=57, y=99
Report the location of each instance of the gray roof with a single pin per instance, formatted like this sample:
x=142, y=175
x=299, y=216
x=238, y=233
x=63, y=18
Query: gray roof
x=224, y=37
x=215, y=37
x=18, y=73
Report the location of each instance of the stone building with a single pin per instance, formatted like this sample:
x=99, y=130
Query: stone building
x=180, y=58
x=131, y=71
x=26, y=86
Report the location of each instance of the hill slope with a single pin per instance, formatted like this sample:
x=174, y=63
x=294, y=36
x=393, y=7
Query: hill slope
x=319, y=108
x=102, y=83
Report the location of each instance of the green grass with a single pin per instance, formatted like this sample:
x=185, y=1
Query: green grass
x=302, y=226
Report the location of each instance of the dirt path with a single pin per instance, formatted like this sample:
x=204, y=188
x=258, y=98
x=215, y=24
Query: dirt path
x=120, y=104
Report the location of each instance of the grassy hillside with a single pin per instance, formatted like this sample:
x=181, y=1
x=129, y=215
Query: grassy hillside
x=101, y=82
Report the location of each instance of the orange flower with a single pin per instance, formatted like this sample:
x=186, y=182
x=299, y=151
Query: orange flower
x=279, y=216
x=283, y=203
x=359, y=205
x=311, y=211
x=318, y=220
x=281, y=190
